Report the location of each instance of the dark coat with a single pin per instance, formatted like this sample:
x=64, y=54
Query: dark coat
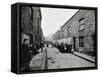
x=25, y=54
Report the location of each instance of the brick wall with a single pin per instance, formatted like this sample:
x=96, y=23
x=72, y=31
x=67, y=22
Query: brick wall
x=31, y=22
x=87, y=32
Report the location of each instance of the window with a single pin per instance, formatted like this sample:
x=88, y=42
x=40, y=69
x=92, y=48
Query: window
x=81, y=41
x=69, y=29
x=81, y=24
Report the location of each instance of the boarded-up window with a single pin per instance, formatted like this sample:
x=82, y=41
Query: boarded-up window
x=81, y=24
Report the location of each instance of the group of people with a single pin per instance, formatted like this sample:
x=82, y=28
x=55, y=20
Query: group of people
x=27, y=52
x=64, y=48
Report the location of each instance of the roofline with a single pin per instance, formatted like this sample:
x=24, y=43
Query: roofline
x=69, y=18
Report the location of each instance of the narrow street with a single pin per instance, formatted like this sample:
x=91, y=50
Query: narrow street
x=56, y=38
x=57, y=60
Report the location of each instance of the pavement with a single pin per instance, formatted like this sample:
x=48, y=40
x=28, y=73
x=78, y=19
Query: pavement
x=37, y=61
x=84, y=56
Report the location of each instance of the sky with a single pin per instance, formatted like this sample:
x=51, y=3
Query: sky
x=54, y=18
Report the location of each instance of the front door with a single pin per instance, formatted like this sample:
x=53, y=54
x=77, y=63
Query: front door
x=74, y=43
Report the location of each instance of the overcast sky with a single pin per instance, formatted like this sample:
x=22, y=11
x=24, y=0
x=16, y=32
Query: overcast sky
x=54, y=18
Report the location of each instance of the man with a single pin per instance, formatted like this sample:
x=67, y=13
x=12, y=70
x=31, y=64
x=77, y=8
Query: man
x=35, y=48
x=41, y=45
x=25, y=55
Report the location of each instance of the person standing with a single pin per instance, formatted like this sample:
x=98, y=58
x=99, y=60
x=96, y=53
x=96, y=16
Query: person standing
x=25, y=55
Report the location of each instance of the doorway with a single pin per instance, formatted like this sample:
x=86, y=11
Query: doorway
x=74, y=43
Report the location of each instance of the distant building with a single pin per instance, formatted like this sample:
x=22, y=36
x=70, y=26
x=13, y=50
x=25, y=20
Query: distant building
x=57, y=35
x=81, y=28
x=31, y=24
